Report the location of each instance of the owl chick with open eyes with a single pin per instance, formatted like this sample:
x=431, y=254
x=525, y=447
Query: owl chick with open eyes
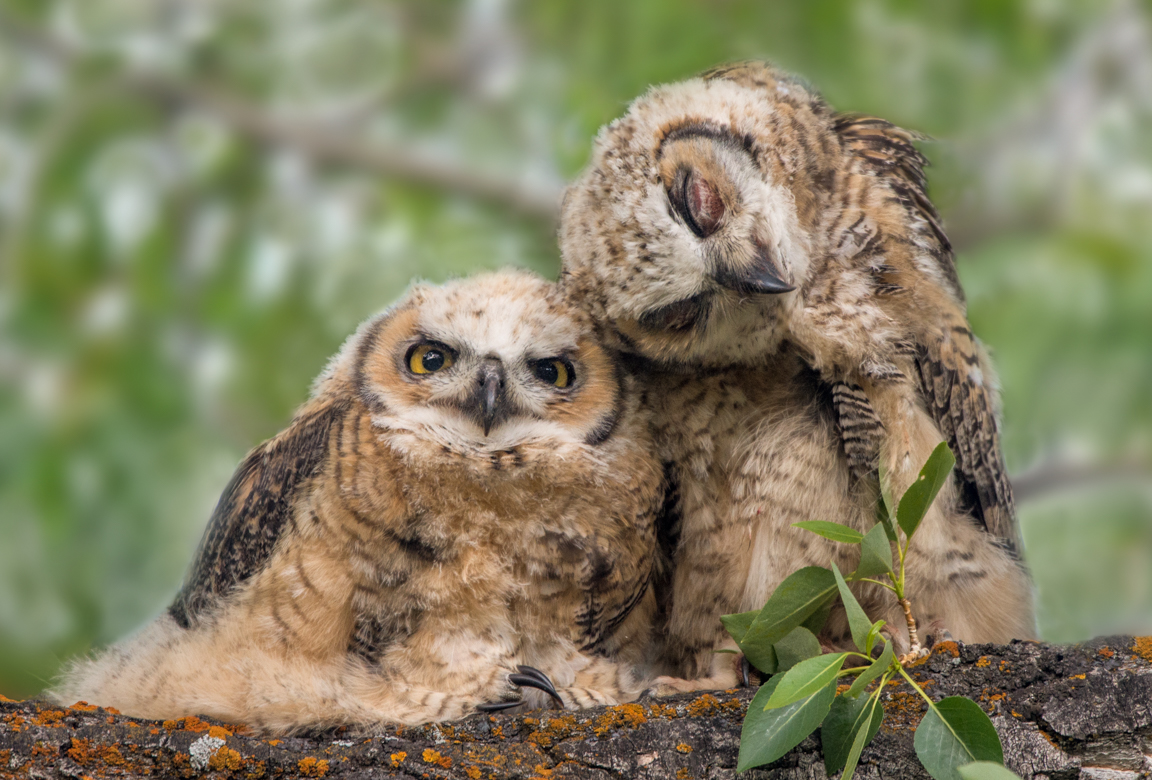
x=781, y=275
x=463, y=513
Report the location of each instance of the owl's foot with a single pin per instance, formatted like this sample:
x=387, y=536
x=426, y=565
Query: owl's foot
x=524, y=677
x=531, y=677
x=936, y=634
x=668, y=686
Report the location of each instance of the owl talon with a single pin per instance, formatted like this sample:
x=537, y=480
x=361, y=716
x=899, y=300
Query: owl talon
x=936, y=634
x=499, y=706
x=531, y=677
x=745, y=672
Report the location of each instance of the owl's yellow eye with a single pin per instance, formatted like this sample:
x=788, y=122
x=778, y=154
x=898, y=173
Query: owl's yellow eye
x=429, y=358
x=555, y=371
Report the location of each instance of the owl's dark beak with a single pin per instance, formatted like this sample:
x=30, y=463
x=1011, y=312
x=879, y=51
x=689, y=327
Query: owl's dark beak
x=488, y=398
x=763, y=276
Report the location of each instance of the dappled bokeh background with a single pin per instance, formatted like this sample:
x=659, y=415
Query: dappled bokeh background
x=200, y=199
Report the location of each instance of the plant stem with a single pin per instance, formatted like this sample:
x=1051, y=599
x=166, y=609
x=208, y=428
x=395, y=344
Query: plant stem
x=876, y=582
x=913, y=637
x=916, y=687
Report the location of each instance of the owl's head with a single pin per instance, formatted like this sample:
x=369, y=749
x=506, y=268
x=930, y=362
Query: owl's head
x=493, y=364
x=694, y=226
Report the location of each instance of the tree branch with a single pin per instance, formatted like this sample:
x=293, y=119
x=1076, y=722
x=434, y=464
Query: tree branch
x=1051, y=478
x=319, y=141
x=1061, y=712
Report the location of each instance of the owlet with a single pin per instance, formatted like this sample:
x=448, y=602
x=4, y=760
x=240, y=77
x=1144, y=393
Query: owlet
x=465, y=506
x=789, y=296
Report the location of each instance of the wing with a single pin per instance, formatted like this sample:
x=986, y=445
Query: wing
x=619, y=565
x=254, y=510
x=918, y=287
x=953, y=370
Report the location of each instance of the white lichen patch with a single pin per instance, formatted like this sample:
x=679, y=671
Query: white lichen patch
x=202, y=749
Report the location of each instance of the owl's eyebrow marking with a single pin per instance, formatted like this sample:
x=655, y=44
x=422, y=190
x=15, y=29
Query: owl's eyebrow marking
x=706, y=130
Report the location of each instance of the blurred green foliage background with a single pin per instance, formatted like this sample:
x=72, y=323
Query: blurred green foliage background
x=200, y=199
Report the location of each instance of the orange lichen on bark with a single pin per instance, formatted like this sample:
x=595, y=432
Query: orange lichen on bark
x=311, y=767
x=661, y=711
x=1143, y=647
x=225, y=758
x=903, y=710
x=683, y=748
x=82, y=751
x=553, y=730
x=49, y=718
x=704, y=705
x=84, y=706
x=683, y=774
x=1105, y=652
x=1078, y=677
x=473, y=772
x=947, y=648
x=1005, y=667
x=982, y=662
x=630, y=715
x=431, y=756
x=192, y=723
x=398, y=758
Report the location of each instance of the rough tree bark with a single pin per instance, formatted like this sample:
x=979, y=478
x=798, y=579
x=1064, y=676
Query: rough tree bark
x=1083, y=711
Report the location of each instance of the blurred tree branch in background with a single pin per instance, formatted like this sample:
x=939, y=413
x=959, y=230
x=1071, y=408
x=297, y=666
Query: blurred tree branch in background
x=322, y=141
x=200, y=199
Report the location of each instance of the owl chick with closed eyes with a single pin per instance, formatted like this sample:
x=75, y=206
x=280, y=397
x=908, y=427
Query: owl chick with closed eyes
x=780, y=273
x=460, y=518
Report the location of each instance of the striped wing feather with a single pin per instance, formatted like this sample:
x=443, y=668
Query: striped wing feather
x=254, y=510
x=951, y=364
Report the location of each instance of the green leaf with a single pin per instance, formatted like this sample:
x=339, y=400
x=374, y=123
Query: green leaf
x=799, y=645
x=769, y=734
x=845, y=720
x=875, y=554
x=873, y=635
x=955, y=732
x=864, y=736
x=815, y=622
x=986, y=770
x=858, y=621
x=834, y=531
x=805, y=678
x=886, y=507
x=762, y=656
x=921, y=493
x=797, y=598
x=737, y=624
x=872, y=672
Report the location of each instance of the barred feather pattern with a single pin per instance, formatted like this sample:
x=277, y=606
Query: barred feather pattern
x=388, y=559
x=861, y=432
x=778, y=406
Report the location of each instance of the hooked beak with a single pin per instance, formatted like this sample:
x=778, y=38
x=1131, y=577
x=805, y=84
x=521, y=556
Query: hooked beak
x=763, y=276
x=489, y=395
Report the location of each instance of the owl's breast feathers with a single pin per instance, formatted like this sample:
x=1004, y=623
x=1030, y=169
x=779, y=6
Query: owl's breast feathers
x=412, y=531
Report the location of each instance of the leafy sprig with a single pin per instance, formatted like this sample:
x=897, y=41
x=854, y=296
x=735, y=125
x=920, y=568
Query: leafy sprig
x=954, y=741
